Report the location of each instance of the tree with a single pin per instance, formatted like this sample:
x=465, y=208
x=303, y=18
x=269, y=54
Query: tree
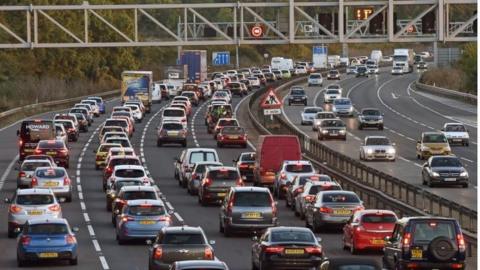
x=468, y=63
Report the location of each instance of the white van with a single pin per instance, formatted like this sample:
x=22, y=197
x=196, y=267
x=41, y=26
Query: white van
x=376, y=55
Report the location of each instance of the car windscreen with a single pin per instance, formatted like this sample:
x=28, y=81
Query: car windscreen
x=299, y=168
x=445, y=162
x=361, y=69
x=172, y=126
x=118, y=123
x=129, y=173
x=434, y=138
x=333, y=87
x=202, y=156
x=223, y=175
x=340, y=198
x=455, y=128
x=234, y=85
x=139, y=195
x=183, y=239
x=317, y=188
x=127, y=114
x=233, y=130
x=31, y=166
x=106, y=147
x=48, y=228
x=201, y=168
x=426, y=231
x=50, y=173
x=146, y=210
x=34, y=199
x=173, y=113
x=188, y=94
x=80, y=116
x=313, y=110
x=315, y=76
x=332, y=123
x=379, y=218
x=371, y=112
x=297, y=92
x=342, y=102
x=333, y=92
x=292, y=236
x=255, y=199
x=377, y=141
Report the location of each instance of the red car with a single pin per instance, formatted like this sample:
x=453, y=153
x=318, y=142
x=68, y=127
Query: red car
x=118, y=160
x=366, y=229
x=232, y=136
x=56, y=149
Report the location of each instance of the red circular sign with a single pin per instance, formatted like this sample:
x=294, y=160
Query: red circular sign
x=256, y=31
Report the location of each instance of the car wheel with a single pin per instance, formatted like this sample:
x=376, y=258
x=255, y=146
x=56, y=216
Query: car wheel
x=465, y=185
x=380, y=127
x=97, y=167
x=227, y=232
x=430, y=184
x=360, y=127
x=69, y=197
x=184, y=144
x=20, y=262
x=73, y=261
x=159, y=143
x=119, y=240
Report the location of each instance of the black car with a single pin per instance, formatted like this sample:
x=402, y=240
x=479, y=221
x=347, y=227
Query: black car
x=444, y=170
x=286, y=247
x=362, y=71
x=425, y=243
x=245, y=164
x=370, y=117
x=297, y=95
x=348, y=263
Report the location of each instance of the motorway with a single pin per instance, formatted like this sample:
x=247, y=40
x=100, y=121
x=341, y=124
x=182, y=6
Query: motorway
x=407, y=113
x=98, y=248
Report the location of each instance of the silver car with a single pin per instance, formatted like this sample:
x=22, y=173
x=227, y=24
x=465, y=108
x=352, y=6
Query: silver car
x=377, y=147
x=309, y=113
x=198, y=172
x=184, y=164
x=54, y=178
x=288, y=171
x=61, y=133
x=319, y=117
x=247, y=209
x=332, y=207
x=310, y=190
x=343, y=107
x=25, y=173
x=29, y=204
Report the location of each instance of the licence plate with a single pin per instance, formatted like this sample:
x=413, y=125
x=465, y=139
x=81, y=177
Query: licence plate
x=457, y=140
x=296, y=251
x=333, y=134
x=51, y=153
x=450, y=179
x=48, y=255
x=50, y=184
x=221, y=194
x=251, y=215
x=147, y=222
x=233, y=137
x=377, y=242
x=342, y=212
x=251, y=166
x=172, y=133
x=417, y=253
x=35, y=212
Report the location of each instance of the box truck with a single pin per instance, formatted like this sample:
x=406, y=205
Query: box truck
x=404, y=59
x=196, y=61
x=137, y=85
x=319, y=58
x=281, y=63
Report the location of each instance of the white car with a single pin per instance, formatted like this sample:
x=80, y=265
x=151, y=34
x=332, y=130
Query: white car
x=254, y=82
x=397, y=70
x=377, y=148
x=315, y=79
x=94, y=105
x=130, y=172
x=175, y=114
x=136, y=111
x=222, y=95
x=456, y=133
x=300, y=70
x=351, y=70
x=61, y=133
x=373, y=69
x=288, y=171
x=309, y=113
x=386, y=58
x=231, y=72
x=111, y=134
x=319, y=117
x=331, y=94
x=157, y=92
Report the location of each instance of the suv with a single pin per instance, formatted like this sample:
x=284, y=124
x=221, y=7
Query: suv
x=248, y=208
x=362, y=71
x=216, y=182
x=425, y=242
x=184, y=164
x=297, y=95
x=370, y=117
x=432, y=144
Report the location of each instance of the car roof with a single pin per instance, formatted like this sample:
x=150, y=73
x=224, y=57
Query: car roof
x=250, y=189
x=432, y=133
x=338, y=191
x=424, y=218
x=312, y=107
x=133, y=167
x=454, y=123
x=296, y=162
x=375, y=211
x=29, y=191
x=179, y=229
x=289, y=228
x=138, y=188
x=325, y=183
x=47, y=220
x=375, y=137
x=217, y=168
x=365, y=109
x=198, y=149
x=200, y=263
x=125, y=157
x=143, y=201
x=208, y=163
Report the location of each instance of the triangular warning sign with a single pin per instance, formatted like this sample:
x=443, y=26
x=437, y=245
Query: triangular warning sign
x=271, y=100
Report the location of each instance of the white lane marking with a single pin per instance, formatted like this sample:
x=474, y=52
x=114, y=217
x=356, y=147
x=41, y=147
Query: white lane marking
x=82, y=206
x=192, y=124
x=104, y=263
x=80, y=195
x=96, y=245
x=7, y=171
x=142, y=139
x=86, y=217
x=179, y=218
x=90, y=230
x=169, y=205
x=394, y=96
x=418, y=165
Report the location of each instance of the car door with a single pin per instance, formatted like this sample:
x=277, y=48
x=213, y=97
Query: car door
x=392, y=246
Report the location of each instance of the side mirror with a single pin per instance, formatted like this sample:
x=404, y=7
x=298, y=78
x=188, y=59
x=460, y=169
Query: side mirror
x=7, y=200
x=255, y=238
x=75, y=229
x=117, y=212
x=319, y=239
x=387, y=239
x=211, y=242
x=149, y=242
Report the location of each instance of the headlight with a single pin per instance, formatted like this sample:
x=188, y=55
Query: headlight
x=324, y=131
x=391, y=151
x=425, y=148
x=464, y=174
x=350, y=109
x=435, y=174
x=334, y=109
x=369, y=151
x=341, y=131
x=304, y=97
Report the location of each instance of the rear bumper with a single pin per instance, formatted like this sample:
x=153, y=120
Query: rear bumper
x=232, y=142
x=431, y=265
x=277, y=262
x=32, y=254
x=248, y=227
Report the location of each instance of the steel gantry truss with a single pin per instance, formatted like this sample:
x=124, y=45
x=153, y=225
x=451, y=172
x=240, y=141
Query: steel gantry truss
x=289, y=22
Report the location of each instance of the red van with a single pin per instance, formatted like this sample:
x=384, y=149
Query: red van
x=272, y=150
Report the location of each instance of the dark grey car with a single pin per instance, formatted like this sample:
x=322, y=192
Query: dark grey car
x=444, y=170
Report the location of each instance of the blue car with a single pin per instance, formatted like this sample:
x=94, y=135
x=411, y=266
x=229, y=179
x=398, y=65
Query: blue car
x=100, y=103
x=141, y=219
x=47, y=239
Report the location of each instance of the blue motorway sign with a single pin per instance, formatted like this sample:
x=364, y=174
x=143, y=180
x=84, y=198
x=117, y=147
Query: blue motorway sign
x=220, y=58
x=320, y=50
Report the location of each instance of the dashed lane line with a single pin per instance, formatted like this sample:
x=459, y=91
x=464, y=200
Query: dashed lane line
x=7, y=171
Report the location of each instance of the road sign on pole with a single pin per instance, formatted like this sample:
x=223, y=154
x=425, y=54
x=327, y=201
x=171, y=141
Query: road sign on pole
x=220, y=58
x=271, y=101
x=271, y=111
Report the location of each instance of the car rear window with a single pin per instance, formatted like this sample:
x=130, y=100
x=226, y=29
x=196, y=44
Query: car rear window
x=292, y=236
x=146, y=210
x=124, y=143
x=233, y=130
x=223, y=175
x=51, y=144
x=228, y=123
x=340, y=198
x=172, y=126
x=258, y=199
x=66, y=124
x=129, y=173
x=106, y=147
x=50, y=173
x=299, y=168
x=426, y=231
x=31, y=166
x=379, y=218
x=34, y=199
x=333, y=92
x=313, y=110
x=173, y=113
x=317, y=188
x=120, y=184
x=183, y=239
x=139, y=195
x=47, y=229
x=202, y=156
x=118, y=123
x=248, y=157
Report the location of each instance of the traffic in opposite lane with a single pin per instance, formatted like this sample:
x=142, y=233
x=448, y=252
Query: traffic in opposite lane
x=180, y=186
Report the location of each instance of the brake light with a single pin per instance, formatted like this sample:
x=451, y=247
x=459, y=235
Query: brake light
x=208, y=253
x=121, y=202
x=20, y=142
x=297, y=191
x=34, y=182
x=240, y=182
x=54, y=208
x=157, y=253
x=14, y=209
x=71, y=239
x=243, y=166
x=407, y=237
x=310, y=198
x=25, y=240
x=461, y=242
x=313, y=250
x=127, y=219
x=38, y=151
x=358, y=208
x=206, y=182
x=359, y=228
x=66, y=181
x=283, y=176
x=165, y=219
x=184, y=120
x=163, y=132
x=326, y=210
x=221, y=137
x=109, y=169
x=21, y=174
x=273, y=249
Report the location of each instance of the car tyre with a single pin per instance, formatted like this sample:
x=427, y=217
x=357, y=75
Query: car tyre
x=159, y=143
x=380, y=127
x=73, y=261
x=227, y=232
x=20, y=262
x=360, y=127
x=69, y=197
x=11, y=234
x=465, y=185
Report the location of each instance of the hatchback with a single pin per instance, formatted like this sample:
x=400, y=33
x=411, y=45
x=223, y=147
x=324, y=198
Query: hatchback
x=27, y=169
x=184, y=164
x=128, y=193
x=343, y=107
x=309, y=114
x=102, y=152
x=216, y=183
x=124, y=142
x=288, y=171
x=198, y=172
x=297, y=186
x=114, y=188
x=232, y=136
x=172, y=132
x=309, y=192
x=118, y=161
x=224, y=122
x=56, y=149
x=129, y=172
x=245, y=164
x=54, y=178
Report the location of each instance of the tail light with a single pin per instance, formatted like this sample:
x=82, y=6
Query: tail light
x=21, y=174
x=297, y=191
x=221, y=137
x=358, y=208
x=407, y=238
x=240, y=182
x=206, y=182
x=54, y=208
x=14, y=209
x=66, y=181
x=243, y=166
x=208, y=253
x=359, y=228
x=25, y=240
x=63, y=151
x=313, y=250
x=120, y=202
x=146, y=180
x=163, y=132
x=283, y=176
x=109, y=169
x=71, y=239
x=230, y=206
x=184, y=120
x=461, y=242
x=273, y=249
x=326, y=210
x=20, y=142
x=34, y=182
x=310, y=198
x=127, y=219
x=71, y=130
x=38, y=151
x=157, y=253
x=165, y=219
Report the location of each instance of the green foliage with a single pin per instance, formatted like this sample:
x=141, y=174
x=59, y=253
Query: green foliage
x=468, y=64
